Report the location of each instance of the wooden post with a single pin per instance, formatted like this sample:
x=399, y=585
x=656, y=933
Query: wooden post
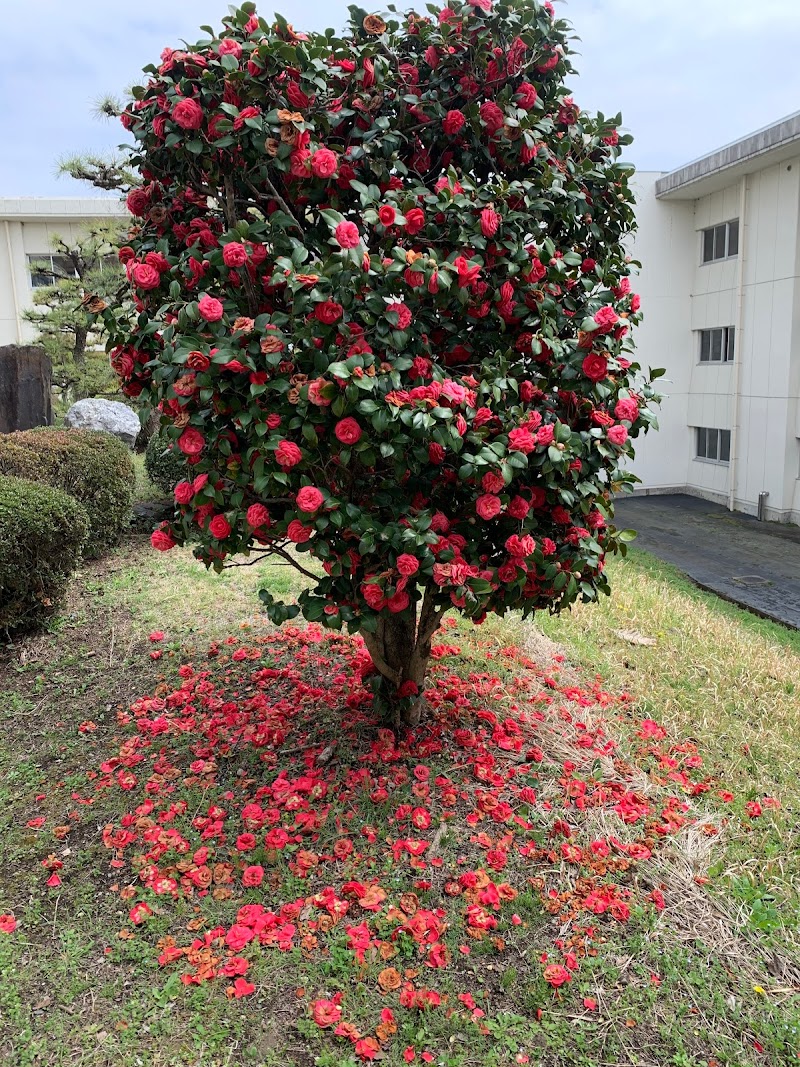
x=25, y=381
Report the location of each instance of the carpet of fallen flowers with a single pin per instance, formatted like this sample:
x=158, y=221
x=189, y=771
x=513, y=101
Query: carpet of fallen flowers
x=262, y=789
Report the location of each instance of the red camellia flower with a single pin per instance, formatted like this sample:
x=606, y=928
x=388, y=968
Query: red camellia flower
x=521, y=440
x=387, y=214
x=252, y=876
x=310, y=499
x=403, y=313
x=595, y=367
x=606, y=318
x=492, y=116
x=347, y=431
x=328, y=312
x=8, y=924
x=347, y=235
x=191, y=442
x=617, y=435
x=627, y=410
x=399, y=602
x=288, y=454
x=162, y=539
x=526, y=95
x=415, y=220
x=556, y=975
x=138, y=202
x=219, y=527
x=489, y=506
x=453, y=121
x=490, y=221
x=407, y=564
x=144, y=276
x=210, y=309
x=198, y=361
x=229, y=47
x=188, y=114
x=139, y=913
x=325, y=1012
x=234, y=254
x=324, y=163
x=297, y=532
x=238, y=936
x=257, y=516
x=242, y=988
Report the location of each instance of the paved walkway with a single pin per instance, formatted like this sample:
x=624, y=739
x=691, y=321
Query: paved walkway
x=755, y=564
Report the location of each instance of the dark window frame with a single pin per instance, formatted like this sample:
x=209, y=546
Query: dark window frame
x=719, y=242
x=712, y=445
x=717, y=344
x=40, y=279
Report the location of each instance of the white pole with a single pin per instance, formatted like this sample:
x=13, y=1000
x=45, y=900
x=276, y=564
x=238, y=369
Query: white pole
x=14, y=293
x=738, y=346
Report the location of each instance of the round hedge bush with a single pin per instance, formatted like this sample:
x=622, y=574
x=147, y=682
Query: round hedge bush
x=165, y=467
x=94, y=468
x=42, y=532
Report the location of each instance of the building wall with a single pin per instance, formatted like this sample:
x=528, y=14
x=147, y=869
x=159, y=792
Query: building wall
x=27, y=227
x=664, y=244
x=767, y=352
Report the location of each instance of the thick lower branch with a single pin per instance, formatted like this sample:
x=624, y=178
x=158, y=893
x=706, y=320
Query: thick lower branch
x=376, y=653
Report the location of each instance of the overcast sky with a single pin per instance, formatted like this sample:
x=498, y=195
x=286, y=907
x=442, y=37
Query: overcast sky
x=688, y=77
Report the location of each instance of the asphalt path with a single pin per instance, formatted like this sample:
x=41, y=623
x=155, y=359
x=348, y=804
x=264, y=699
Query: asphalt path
x=754, y=564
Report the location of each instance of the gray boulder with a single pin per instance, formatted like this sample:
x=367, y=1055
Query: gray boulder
x=108, y=415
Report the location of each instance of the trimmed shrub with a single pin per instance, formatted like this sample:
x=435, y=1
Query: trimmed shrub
x=94, y=468
x=42, y=532
x=165, y=467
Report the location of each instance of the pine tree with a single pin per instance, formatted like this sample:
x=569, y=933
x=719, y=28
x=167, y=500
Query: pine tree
x=86, y=268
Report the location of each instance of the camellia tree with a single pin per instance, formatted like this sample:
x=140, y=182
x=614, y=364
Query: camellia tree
x=383, y=305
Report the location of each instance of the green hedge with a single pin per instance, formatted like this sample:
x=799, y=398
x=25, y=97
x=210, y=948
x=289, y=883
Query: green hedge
x=165, y=468
x=94, y=468
x=42, y=531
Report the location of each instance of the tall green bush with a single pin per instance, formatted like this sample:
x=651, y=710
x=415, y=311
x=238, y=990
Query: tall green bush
x=94, y=468
x=383, y=296
x=42, y=531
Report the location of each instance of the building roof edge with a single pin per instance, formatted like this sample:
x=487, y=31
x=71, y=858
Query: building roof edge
x=746, y=154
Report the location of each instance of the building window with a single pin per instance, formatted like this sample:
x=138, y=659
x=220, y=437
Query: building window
x=713, y=445
x=47, y=268
x=721, y=242
x=716, y=346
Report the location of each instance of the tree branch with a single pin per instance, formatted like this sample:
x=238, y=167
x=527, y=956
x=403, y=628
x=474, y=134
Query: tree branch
x=273, y=192
x=275, y=550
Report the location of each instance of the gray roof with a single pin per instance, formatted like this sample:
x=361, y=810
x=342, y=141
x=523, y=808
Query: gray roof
x=61, y=209
x=770, y=145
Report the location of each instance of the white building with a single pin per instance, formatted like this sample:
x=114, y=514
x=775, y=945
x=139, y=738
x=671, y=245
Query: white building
x=719, y=242
x=27, y=228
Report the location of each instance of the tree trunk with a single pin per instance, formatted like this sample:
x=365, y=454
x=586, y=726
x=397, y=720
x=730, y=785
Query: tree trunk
x=147, y=431
x=79, y=346
x=400, y=650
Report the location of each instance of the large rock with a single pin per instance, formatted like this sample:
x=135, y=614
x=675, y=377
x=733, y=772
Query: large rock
x=24, y=388
x=109, y=415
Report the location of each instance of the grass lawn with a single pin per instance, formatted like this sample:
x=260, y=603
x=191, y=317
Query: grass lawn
x=589, y=855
